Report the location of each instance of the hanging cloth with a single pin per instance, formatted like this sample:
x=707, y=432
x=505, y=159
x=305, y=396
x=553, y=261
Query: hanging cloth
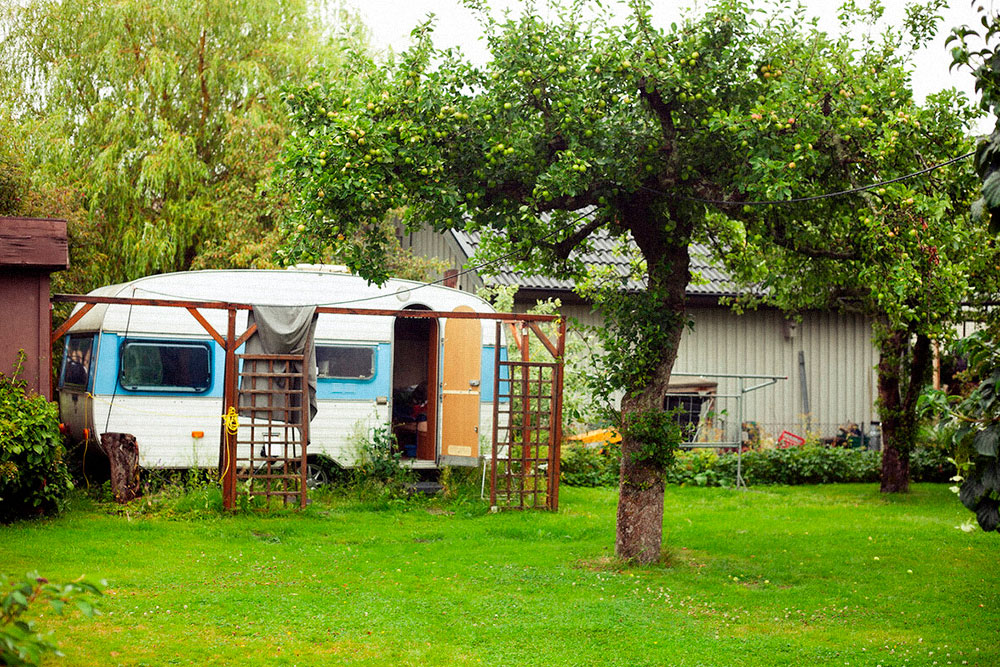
x=286, y=330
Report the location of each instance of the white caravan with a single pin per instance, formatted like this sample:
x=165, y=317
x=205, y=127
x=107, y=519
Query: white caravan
x=155, y=372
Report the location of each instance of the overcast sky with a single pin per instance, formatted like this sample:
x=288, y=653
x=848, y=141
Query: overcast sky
x=390, y=23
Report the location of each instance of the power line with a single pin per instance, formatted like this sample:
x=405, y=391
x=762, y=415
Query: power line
x=828, y=195
x=718, y=202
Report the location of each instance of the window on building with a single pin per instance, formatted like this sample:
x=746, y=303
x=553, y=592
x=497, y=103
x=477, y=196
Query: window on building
x=165, y=366
x=77, y=360
x=345, y=362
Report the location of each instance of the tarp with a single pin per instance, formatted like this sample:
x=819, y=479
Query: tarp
x=286, y=330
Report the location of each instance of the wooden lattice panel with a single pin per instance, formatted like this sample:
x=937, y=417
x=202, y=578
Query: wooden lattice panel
x=273, y=427
x=525, y=451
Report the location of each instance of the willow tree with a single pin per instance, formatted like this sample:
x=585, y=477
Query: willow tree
x=162, y=119
x=575, y=125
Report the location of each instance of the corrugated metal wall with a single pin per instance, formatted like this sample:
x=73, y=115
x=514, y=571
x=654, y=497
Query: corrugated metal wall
x=839, y=366
x=839, y=360
x=428, y=243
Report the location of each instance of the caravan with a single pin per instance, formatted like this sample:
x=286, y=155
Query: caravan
x=155, y=371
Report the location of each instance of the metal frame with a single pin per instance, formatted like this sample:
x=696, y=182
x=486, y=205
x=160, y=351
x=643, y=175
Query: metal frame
x=230, y=342
x=742, y=391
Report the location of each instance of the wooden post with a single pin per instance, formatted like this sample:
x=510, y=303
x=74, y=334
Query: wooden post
x=555, y=450
x=123, y=453
x=227, y=453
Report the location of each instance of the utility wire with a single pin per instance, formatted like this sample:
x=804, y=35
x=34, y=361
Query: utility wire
x=719, y=202
x=828, y=195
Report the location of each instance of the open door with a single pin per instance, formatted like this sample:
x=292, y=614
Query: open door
x=461, y=367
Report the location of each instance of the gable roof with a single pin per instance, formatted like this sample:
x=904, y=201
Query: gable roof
x=708, y=279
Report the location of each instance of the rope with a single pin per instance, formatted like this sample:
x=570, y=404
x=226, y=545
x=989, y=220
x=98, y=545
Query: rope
x=232, y=421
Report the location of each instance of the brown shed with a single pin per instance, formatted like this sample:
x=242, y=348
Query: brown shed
x=30, y=250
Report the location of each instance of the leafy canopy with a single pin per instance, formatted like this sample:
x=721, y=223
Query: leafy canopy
x=161, y=119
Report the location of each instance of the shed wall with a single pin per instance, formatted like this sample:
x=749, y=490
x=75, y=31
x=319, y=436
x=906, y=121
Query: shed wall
x=428, y=243
x=24, y=300
x=840, y=364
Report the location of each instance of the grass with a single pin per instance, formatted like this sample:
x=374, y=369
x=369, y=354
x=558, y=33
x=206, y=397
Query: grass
x=778, y=576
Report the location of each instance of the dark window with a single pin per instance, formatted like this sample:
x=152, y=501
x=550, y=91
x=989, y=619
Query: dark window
x=165, y=366
x=345, y=362
x=77, y=362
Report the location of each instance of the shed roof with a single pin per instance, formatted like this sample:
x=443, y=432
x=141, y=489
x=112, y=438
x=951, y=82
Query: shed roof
x=708, y=279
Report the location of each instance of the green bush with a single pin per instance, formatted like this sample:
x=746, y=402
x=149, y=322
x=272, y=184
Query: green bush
x=20, y=641
x=586, y=466
x=591, y=466
x=34, y=479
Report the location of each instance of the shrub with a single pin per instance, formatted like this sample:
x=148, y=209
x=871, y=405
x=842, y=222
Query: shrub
x=583, y=466
x=20, y=642
x=34, y=478
x=591, y=466
x=378, y=470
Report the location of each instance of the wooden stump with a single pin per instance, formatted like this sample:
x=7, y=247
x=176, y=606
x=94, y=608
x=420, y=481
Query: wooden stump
x=123, y=452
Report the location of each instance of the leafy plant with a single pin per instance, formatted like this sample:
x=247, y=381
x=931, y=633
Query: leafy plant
x=977, y=432
x=34, y=478
x=20, y=642
x=378, y=467
x=591, y=466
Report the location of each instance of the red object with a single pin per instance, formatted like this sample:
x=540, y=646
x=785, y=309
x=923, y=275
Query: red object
x=787, y=439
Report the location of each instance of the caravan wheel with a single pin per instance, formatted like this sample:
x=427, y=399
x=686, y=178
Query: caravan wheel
x=317, y=474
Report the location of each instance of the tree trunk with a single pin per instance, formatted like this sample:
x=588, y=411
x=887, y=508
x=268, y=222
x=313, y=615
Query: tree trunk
x=639, y=530
x=902, y=367
x=123, y=453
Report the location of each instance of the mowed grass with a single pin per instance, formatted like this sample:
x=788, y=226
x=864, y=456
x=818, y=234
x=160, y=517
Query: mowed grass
x=835, y=575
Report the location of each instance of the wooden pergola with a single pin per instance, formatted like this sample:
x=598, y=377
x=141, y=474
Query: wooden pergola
x=522, y=325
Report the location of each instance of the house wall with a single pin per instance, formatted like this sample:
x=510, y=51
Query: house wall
x=839, y=369
x=428, y=243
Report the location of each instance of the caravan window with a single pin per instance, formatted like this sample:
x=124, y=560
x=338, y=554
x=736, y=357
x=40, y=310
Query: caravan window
x=77, y=360
x=165, y=366
x=345, y=362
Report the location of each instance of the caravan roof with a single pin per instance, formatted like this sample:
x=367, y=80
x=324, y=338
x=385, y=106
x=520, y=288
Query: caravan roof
x=295, y=287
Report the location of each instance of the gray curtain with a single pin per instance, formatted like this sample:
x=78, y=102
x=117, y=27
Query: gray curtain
x=285, y=330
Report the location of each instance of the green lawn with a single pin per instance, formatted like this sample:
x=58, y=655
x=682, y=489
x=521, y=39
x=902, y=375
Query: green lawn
x=774, y=576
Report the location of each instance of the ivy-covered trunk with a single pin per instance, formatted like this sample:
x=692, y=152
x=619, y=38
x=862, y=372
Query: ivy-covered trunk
x=640, y=505
x=903, y=364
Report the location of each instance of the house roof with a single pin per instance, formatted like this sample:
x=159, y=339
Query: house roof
x=708, y=279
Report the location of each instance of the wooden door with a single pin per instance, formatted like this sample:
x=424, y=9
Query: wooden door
x=461, y=368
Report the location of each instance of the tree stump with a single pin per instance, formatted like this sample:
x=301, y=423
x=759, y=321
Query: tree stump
x=123, y=452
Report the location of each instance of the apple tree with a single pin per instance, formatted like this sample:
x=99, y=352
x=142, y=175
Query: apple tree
x=582, y=122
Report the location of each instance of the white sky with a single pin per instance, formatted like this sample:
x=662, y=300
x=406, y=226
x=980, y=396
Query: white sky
x=390, y=23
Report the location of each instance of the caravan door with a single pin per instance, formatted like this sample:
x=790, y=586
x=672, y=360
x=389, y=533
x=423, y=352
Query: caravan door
x=461, y=367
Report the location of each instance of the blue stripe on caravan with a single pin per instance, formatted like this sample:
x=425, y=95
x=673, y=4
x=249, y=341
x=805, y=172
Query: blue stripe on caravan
x=361, y=390
x=486, y=374
x=106, y=377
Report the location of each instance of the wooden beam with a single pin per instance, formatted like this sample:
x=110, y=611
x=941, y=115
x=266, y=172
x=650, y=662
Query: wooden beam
x=544, y=339
x=73, y=319
x=330, y=310
x=246, y=336
x=208, y=327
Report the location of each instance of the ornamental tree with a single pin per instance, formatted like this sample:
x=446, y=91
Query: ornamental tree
x=654, y=134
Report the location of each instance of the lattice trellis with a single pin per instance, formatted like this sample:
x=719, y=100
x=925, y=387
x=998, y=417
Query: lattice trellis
x=274, y=426
x=526, y=432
